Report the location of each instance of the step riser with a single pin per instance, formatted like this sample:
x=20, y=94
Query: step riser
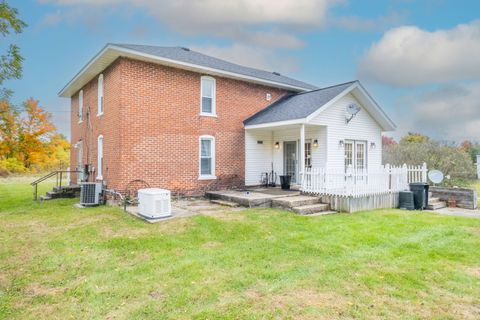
x=436, y=206
x=311, y=209
x=294, y=203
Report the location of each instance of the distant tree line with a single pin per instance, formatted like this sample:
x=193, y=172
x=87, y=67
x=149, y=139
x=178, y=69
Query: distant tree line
x=455, y=161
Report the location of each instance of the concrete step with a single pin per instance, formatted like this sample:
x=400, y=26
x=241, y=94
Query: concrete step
x=436, y=205
x=225, y=203
x=45, y=198
x=295, y=201
x=321, y=213
x=53, y=194
x=311, y=208
x=432, y=199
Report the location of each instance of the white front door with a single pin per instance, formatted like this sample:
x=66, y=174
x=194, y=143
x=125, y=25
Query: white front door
x=290, y=160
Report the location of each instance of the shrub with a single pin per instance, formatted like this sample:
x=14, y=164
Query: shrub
x=452, y=161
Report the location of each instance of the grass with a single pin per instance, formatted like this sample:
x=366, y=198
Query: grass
x=100, y=263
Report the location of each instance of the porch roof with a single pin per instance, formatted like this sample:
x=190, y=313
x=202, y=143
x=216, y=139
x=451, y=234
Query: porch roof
x=301, y=107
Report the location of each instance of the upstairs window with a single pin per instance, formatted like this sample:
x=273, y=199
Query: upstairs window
x=100, y=95
x=207, y=96
x=80, y=106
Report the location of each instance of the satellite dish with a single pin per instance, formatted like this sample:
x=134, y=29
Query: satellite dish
x=352, y=110
x=435, y=176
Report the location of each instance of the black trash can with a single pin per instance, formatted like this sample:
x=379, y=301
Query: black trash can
x=420, y=195
x=285, y=182
x=406, y=201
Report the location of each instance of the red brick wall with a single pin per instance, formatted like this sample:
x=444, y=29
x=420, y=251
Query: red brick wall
x=152, y=123
x=108, y=124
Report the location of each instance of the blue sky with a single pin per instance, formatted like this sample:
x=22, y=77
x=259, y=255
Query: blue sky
x=419, y=59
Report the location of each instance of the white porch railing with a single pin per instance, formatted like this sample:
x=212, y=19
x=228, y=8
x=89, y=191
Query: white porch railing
x=357, y=183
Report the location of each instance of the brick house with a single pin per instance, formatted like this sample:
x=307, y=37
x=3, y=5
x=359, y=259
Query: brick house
x=184, y=121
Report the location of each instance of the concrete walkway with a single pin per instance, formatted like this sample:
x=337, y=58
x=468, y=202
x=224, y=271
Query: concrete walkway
x=458, y=212
x=186, y=208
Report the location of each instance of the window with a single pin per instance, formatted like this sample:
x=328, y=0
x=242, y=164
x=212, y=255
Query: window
x=100, y=157
x=207, y=157
x=207, y=96
x=308, y=154
x=80, y=106
x=80, y=168
x=100, y=95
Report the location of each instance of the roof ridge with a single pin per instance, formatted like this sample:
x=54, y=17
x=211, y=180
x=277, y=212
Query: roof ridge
x=329, y=87
x=274, y=73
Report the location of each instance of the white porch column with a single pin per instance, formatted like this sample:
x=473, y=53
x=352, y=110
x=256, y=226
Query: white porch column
x=302, y=152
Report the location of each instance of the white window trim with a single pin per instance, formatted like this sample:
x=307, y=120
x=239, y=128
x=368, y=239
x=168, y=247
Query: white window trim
x=80, y=106
x=214, y=97
x=100, y=95
x=100, y=162
x=200, y=175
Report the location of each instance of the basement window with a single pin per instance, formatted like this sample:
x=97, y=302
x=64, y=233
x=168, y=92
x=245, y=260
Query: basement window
x=207, y=158
x=100, y=157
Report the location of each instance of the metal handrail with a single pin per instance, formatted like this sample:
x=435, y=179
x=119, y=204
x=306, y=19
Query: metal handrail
x=58, y=183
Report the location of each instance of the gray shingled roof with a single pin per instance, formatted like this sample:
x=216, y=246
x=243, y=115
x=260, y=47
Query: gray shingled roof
x=297, y=106
x=193, y=57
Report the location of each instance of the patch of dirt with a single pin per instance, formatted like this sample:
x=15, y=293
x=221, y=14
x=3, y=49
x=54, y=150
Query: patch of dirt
x=296, y=301
x=474, y=271
x=37, y=289
x=211, y=244
x=157, y=295
x=132, y=233
x=231, y=215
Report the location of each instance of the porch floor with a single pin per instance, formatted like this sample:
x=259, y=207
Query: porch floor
x=252, y=197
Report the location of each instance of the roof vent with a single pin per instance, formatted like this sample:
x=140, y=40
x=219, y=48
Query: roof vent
x=276, y=73
x=185, y=48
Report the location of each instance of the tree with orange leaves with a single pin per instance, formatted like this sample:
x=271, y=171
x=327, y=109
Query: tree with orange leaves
x=28, y=140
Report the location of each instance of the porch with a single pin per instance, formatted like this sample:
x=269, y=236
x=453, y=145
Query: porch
x=283, y=150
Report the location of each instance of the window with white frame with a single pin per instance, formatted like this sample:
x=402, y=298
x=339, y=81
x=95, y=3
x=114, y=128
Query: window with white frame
x=100, y=95
x=207, y=157
x=207, y=96
x=100, y=157
x=80, y=106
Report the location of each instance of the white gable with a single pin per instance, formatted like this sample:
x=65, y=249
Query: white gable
x=362, y=127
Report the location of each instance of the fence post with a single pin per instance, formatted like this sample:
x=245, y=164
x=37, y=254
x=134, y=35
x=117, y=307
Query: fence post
x=405, y=176
x=389, y=176
x=424, y=172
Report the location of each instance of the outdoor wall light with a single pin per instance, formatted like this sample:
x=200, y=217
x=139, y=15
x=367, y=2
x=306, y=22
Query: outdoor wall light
x=277, y=145
x=372, y=145
x=341, y=143
x=315, y=143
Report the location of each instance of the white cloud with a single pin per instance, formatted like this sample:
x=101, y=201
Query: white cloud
x=251, y=56
x=235, y=20
x=357, y=23
x=408, y=56
x=448, y=113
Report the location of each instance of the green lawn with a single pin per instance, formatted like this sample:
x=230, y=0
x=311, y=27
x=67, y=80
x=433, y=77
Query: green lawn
x=58, y=262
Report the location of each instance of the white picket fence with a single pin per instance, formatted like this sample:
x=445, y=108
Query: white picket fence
x=358, y=183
